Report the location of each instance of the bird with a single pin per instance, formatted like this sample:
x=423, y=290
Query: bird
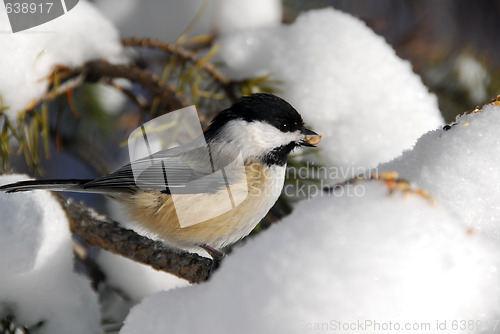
x=258, y=130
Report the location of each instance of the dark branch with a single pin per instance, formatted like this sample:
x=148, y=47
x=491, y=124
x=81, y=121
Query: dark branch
x=98, y=230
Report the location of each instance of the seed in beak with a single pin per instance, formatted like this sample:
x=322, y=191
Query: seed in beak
x=311, y=139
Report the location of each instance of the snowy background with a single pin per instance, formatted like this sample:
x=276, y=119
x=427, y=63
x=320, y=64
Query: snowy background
x=410, y=253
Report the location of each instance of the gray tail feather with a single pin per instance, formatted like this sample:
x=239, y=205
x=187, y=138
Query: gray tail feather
x=54, y=185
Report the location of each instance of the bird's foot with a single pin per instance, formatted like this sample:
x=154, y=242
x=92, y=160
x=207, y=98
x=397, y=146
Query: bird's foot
x=216, y=255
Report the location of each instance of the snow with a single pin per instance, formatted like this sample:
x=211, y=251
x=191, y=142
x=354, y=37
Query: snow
x=346, y=81
x=167, y=20
x=375, y=257
x=111, y=99
x=364, y=255
x=473, y=77
x=36, y=262
x=361, y=254
x=28, y=57
x=134, y=279
x=230, y=15
x=460, y=168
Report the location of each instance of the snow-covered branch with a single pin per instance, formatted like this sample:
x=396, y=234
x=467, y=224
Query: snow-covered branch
x=99, y=230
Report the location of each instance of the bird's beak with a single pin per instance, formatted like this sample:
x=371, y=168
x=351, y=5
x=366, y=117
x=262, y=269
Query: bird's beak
x=311, y=138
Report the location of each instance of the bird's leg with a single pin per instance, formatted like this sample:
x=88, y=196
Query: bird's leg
x=216, y=255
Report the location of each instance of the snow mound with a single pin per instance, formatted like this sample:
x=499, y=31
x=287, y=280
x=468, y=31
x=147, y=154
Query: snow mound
x=460, y=167
x=167, y=20
x=230, y=15
x=346, y=81
x=135, y=279
x=339, y=260
x=28, y=57
x=36, y=260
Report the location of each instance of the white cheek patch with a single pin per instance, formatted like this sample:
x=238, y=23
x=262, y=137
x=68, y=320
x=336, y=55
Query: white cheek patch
x=257, y=138
x=267, y=137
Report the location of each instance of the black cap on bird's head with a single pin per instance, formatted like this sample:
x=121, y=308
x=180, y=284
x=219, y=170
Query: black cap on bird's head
x=263, y=126
x=261, y=107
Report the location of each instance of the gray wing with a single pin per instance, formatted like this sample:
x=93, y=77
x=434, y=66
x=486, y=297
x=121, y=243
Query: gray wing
x=173, y=171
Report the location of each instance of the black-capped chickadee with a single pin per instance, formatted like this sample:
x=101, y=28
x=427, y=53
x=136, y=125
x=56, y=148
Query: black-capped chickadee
x=260, y=129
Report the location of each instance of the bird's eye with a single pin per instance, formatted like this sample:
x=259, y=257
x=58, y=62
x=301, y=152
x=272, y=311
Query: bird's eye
x=284, y=126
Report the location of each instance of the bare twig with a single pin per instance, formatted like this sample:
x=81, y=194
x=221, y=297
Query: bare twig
x=179, y=51
x=98, y=230
x=137, y=100
x=62, y=89
x=97, y=69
